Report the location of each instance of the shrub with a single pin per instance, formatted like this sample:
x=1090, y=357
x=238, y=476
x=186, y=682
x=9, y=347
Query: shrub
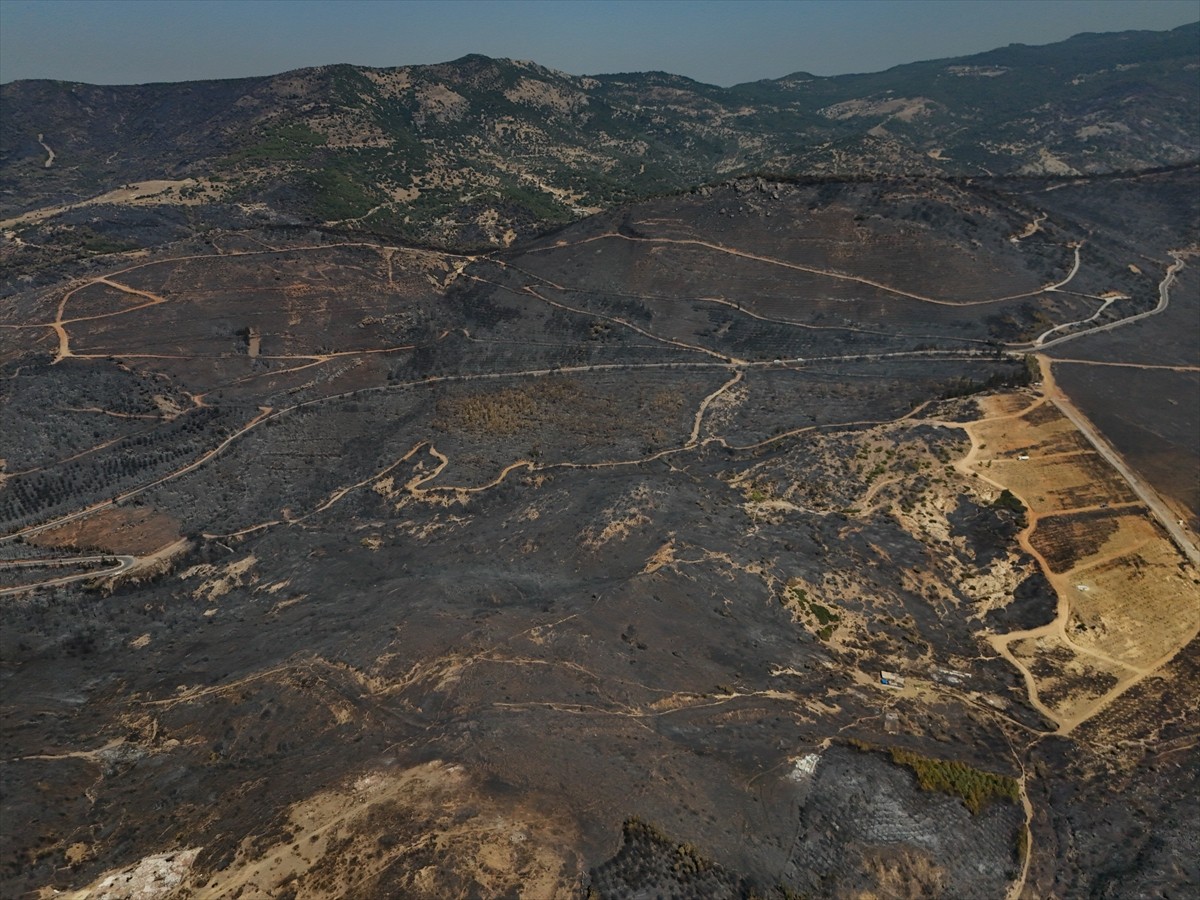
x=974, y=787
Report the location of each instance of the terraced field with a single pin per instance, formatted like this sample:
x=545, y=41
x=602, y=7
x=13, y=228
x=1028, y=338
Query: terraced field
x=1127, y=598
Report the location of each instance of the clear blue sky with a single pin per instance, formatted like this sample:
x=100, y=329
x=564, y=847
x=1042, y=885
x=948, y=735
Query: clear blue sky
x=130, y=41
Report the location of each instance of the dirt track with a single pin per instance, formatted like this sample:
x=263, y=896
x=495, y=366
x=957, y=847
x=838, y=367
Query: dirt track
x=1129, y=670
x=124, y=564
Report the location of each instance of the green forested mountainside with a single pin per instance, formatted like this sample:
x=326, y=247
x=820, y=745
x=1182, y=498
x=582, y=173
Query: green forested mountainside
x=479, y=151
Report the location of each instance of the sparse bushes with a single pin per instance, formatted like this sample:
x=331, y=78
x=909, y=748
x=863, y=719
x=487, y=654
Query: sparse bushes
x=504, y=412
x=1033, y=369
x=1010, y=502
x=820, y=618
x=1022, y=844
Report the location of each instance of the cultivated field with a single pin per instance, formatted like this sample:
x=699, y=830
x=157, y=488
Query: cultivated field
x=1127, y=599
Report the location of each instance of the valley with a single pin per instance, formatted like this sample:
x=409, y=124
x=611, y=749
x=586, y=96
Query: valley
x=497, y=554
x=474, y=480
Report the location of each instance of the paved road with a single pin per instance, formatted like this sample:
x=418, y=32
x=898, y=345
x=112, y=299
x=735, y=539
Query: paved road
x=1157, y=508
x=1164, y=300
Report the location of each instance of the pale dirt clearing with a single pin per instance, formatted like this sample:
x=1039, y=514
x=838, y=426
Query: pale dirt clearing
x=152, y=878
x=183, y=192
x=1127, y=599
x=136, y=530
x=328, y=847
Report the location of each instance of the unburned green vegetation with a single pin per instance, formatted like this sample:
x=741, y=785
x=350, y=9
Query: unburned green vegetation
x=556, y=402
x=501, y=413
x=974, y=787
x=285, y=142
x=1010, y=502
x=821, y=619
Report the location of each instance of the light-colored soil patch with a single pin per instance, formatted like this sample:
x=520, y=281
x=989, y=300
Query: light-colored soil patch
x=220, y=580
x=168, y=407
x=1062, y=484
x=1039, y=457
x=662, y=558
x=1000, y=405
x=425, y=832
x=439, y=102
x=394, y=83
x=1031, y=228
x=132, y=530
x=1138, y=607
x=903, y=108
x=495, y=228
x=185, y=192
x=546, y=95
x=619, y=520
x=1069, y=682
x=1047, y=164
x=153, y=878
x=1128, y=600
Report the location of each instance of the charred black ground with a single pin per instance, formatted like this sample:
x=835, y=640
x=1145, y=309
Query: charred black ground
x=576, y=566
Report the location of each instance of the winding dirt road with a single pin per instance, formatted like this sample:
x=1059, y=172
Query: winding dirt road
x=50, y=154
x=124, y=564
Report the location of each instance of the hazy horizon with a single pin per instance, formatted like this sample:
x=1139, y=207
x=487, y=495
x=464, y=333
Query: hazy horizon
x=123, y=42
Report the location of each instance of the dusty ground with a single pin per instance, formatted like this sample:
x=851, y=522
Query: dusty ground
x=390, y=832
x=184, y=192
x=491, y=554
x=1127, y=598
x=138, y=531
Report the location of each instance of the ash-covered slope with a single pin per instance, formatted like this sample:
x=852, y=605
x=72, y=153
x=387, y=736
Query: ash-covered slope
x=368, y=570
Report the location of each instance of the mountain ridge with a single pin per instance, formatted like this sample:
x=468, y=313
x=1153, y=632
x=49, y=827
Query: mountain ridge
x=480, y=151
x=784, y=508
x=1127, y=34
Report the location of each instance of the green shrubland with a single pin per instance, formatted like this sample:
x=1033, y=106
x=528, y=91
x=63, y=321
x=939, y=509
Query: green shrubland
x=974, y=787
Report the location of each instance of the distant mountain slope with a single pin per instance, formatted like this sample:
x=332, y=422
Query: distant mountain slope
x=1093, y=103
x=479, y=150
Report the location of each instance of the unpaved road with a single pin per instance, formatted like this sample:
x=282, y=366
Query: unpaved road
x=828, y=273
x=49, y=153
x=124, y=564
